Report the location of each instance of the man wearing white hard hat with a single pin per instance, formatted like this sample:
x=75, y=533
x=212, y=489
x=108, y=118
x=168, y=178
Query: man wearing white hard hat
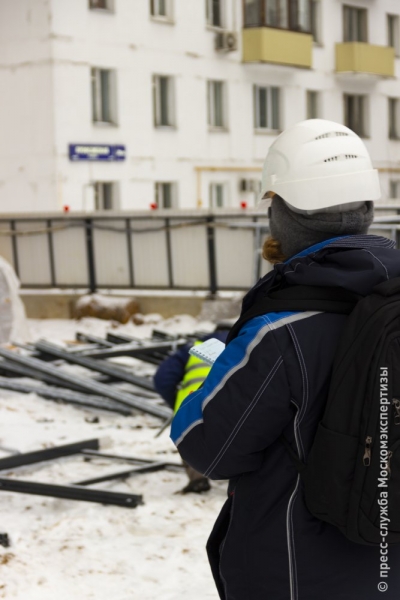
x=290, y=411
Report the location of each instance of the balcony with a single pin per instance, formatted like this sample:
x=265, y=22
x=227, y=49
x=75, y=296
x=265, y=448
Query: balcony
x=360, y=57
x=277, y=46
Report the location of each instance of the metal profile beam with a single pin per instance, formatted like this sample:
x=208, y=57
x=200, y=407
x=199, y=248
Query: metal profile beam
x=29, y=458
x=94, y=365
x=70, y=492
x=151, y=468
x=130, y=459
x=51, y=393
x=8, y=367
x=89, y=385
x=132, y=349
x=93, y=339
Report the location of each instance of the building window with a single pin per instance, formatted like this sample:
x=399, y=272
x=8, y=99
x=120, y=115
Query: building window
x=217, y=104
x=394, y=118
x=276, y=14
x=282, y=14
x=354, y=24
x=161, y=9
x=252, y=13
x=315, y=18
x=266, y=108
x=355, y=114
x=103, y=96
x=312, y=105
x=214, y=13
x=394, y=191
x=165, y=192
x=105, y=195
x=164, y=101
x=218, y=195
x=101, y=4
x=393, y=33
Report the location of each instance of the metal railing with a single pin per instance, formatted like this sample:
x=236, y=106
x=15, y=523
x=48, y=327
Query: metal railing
x=199, y=250
x=175, y=250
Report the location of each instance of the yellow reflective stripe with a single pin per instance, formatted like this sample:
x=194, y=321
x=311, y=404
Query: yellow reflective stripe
x=196, y=371
x=184, y=393
x=192, y=381
x=202, y=365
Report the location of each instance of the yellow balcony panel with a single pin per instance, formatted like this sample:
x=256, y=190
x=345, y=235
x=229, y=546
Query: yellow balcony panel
x=359, y=57
x=278, y=46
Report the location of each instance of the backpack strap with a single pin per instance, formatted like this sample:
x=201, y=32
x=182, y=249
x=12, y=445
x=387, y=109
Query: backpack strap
x=299, y=297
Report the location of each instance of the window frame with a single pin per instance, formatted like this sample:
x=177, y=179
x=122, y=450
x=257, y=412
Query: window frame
x=292, y=11
x=396, y=33
x=210, y=14
x=394, y=183
x=270, y=90
x=157, y=101
x=109, y=8
x=316, y=21
x=212, y=198
x=156, y=16
x=394, y=119
x=211, y=106
x=98, y=104
x=363, y=99
x=159, y=194
x=99, y=195
x=317, y=97
x=364, y=25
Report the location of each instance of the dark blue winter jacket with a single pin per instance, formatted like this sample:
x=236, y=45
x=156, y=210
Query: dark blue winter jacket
x=271, y=379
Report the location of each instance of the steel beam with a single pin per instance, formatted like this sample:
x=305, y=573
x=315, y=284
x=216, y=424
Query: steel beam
x=51, y=393
x=94, y=365
x=89, y=385
x=93, y=339
x=129, y=459
x=29, y=458
x=70, y=492
x=151, y=468
x=8, y=367
x=132, y=349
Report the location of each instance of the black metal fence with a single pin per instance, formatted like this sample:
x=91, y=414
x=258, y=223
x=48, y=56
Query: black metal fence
x=164, y=250
x=175, y=250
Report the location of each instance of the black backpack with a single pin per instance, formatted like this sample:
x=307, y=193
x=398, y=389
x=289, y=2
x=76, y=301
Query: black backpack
x=352, y=475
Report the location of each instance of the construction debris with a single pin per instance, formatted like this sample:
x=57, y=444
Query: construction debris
x=105, y=307
x=101, y=387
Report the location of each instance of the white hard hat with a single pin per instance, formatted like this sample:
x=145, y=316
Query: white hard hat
x=317, y=164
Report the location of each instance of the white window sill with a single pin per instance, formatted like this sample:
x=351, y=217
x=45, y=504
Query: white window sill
x=215, y=28
x=262, y=131
x=162, y=20
x=214, y=129
x=106, y=11
x=165, y=127
x=104, y=124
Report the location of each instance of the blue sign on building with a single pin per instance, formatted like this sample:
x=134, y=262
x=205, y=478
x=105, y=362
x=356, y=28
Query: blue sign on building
x=96, y=152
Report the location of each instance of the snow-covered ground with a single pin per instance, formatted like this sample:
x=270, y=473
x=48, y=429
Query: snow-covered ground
x=77, y=550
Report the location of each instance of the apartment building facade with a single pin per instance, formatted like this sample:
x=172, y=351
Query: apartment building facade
x=146, y=104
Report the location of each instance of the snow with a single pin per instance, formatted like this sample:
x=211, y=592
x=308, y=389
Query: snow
x=64, y=549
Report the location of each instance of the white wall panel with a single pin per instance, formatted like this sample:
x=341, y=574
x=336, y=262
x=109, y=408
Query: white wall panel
x=111, y=253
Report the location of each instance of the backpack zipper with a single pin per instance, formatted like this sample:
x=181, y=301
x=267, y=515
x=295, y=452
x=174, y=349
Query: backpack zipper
x=367, y=452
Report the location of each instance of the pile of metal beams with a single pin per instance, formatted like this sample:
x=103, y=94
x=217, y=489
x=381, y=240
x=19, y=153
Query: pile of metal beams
x=99, y=389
